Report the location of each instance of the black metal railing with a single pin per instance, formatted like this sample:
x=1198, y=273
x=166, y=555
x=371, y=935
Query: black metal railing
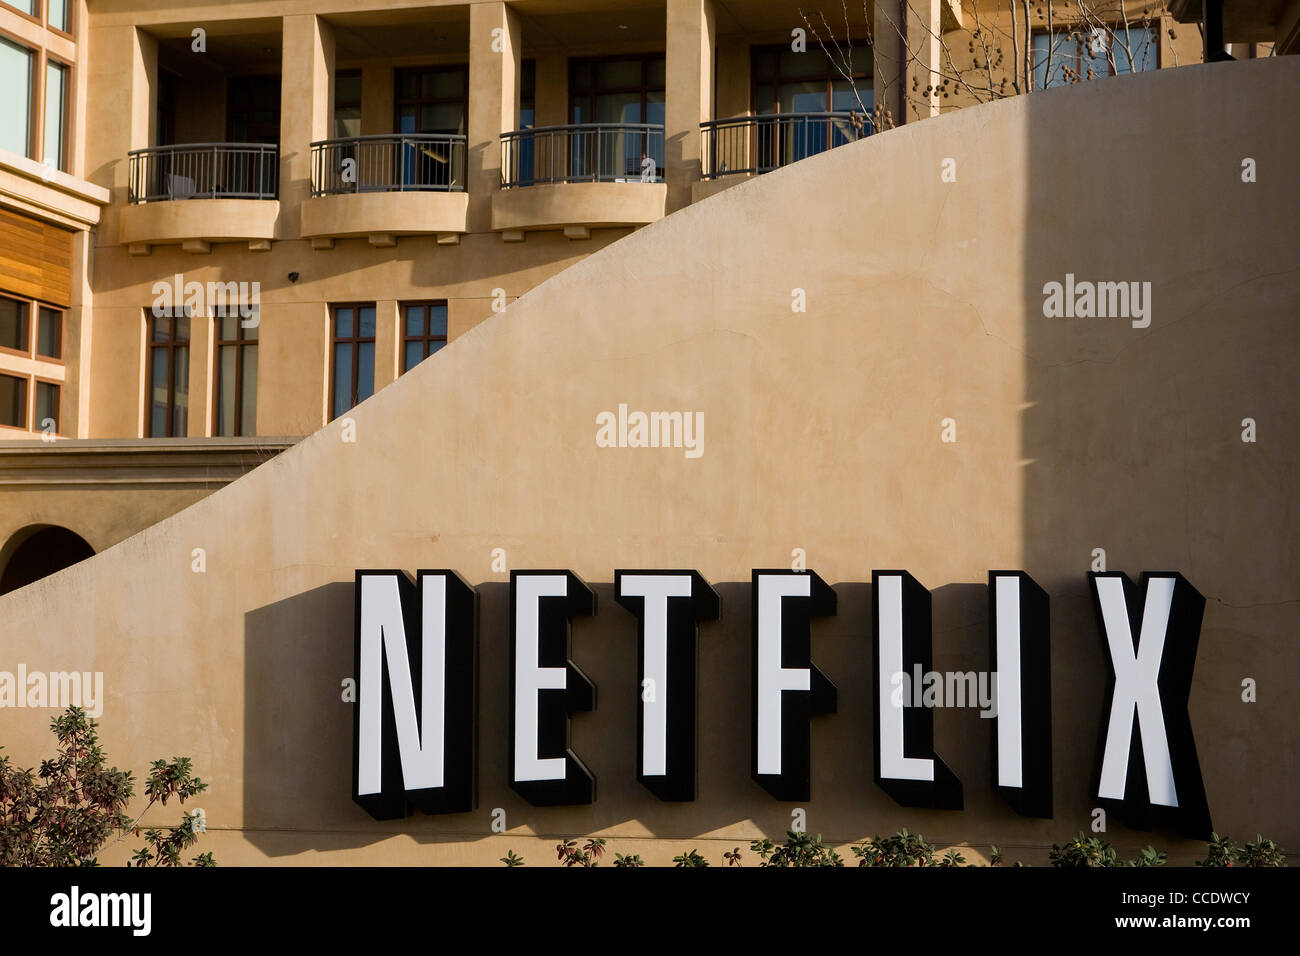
x=204, y=171
x=390, y=162
x=760, y=144
x=583, y=153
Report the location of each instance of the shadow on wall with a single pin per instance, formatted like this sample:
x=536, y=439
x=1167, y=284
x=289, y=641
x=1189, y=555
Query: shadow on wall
x=1133, y=435
x=298, y=746
x=37, y=551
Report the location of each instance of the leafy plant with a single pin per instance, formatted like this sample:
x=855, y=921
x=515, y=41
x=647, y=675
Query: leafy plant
x=1220, y=851
x=1084, y=851
x=589, y=854
x=902, y=849
x=1149, y=856
x=1262, y=853
x=1092, y=851
x=799, y=849
x=66, y=813
x=689, y=859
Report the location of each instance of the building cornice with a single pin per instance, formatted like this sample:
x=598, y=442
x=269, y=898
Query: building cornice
x=174, y=463
x=48, y=194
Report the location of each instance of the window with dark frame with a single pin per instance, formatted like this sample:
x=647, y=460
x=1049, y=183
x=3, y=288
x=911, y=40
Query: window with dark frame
x=166, y=111
x=784, y=81
x=45, y=413
x=235, y=399
x=1077, y=56
x=352, y=359
x=617, y=89
x=15, y=330
x=528, y=94
x=424, y=331
x=13, y=401
x=49, y=333
x=167, y=392
x=347, y=103
x=431, y=99
x=42, y=341
x=253, y=109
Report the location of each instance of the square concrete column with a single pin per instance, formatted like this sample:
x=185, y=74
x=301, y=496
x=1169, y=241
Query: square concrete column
x=122, y=64
x=688, y=99
x=495, y=44
x=906, y=50
x=306, y=110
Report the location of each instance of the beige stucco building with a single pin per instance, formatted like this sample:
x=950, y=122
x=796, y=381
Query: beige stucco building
x=540, y=192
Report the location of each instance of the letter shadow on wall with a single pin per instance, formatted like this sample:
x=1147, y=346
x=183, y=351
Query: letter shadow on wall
x=1131, y=437
x=298, y=729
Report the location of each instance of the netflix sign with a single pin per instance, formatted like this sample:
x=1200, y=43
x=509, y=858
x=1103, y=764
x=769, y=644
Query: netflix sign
x=415, y=733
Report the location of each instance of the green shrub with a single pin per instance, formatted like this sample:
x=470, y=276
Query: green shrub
x=66, y=814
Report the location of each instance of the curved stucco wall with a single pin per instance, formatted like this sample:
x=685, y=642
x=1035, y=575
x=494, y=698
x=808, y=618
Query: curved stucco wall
x=822, y=432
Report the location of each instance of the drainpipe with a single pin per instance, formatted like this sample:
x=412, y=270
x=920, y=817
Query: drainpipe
x=1212, y=27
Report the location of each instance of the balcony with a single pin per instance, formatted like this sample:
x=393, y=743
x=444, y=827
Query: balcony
x=386, y=186
x=580, y=176
x=199, y=193
x=752, y=145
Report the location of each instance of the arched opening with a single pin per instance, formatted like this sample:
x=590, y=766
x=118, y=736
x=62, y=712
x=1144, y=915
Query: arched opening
x=39, y=551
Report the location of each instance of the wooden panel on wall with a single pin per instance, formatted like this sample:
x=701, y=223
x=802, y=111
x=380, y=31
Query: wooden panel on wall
x=35, y=259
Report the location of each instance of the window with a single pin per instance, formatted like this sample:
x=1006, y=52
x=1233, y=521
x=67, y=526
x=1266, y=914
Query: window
x=253, y=109
x=236, y=378
x=23, y=6
x=15, y=328
x=47, y=407
x=786, y=88
x=432, y=100
x=617, y=91
x=424, y=331
x=42, y=342
x=353, y=361
x=168, y=393
x=56, y=75
x=1101, y=52
x=13, y=401
x=14, y=318
x=347, y=103
x=166, y=112
x=57, y=17
x=16, y=81
x=49, y=333
x=789, y=82
x=528, y=94
x=627, y=90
